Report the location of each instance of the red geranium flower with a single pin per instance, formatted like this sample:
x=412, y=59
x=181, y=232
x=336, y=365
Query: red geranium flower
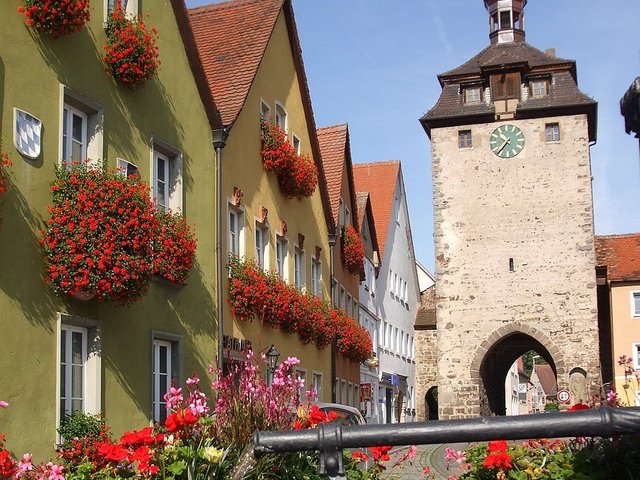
x=380, y=453
x=56, y=17
x=352, y=250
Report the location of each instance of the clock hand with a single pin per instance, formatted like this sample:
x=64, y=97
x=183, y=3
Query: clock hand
x=504, y=144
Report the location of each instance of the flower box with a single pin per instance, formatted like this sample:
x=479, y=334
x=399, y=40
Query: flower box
x=56, y=17
x=352, y=250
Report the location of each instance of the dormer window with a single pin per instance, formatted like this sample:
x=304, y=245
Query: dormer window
x=539, y=87
x=472, y=94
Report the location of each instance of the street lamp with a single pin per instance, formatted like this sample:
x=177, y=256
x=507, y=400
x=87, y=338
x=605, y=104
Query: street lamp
x=272, y=362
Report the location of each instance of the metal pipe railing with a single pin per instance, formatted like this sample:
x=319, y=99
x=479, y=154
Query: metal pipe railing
x=331, y=438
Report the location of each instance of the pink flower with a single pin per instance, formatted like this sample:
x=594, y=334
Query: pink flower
x=25, y=465
x=3, y=404
x=426, y=470
x=55, y=471
x=413, y=450
x=173, y=396
x=193, y=380
x=611, y=396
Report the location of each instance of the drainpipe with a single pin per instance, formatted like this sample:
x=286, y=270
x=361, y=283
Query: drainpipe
x=334, y=366
x=219, y=142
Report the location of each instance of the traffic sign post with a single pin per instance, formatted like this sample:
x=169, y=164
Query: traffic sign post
x=564, y=396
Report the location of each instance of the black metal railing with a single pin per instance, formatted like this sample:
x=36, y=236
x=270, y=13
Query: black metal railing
x=331, y=438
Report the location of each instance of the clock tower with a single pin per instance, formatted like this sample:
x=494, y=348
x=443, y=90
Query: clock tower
x=513, y=214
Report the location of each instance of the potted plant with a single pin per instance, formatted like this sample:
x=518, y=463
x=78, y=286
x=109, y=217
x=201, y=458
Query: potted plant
x=131, y=52
x=56, y=17
x=174, y=248
x=352, y=250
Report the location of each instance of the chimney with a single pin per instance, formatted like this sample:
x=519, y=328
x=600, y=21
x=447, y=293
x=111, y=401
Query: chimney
x=550, y=52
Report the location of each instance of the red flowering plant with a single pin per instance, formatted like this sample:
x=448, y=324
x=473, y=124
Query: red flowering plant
x=255, y=294
x=174, y=247
x=352, y=250
x=98, y=238
x=297, y=174
x=56, y=17
x=131, y=52
x=4, y=163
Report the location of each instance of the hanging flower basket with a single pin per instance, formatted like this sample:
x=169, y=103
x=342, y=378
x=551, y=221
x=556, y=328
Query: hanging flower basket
x=4, y=163
x=131, y=52
x=254, y=294
x=56, y=17
x=352, y=250
x=297, y=174
x=98, y=238
x=174, y=248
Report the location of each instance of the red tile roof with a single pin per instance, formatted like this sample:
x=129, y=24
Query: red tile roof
x=364, y=209
x=362, y=198
x=379, y=179
x=231, y=38
x=620, y=254
x=547, y=379
x=333, y=141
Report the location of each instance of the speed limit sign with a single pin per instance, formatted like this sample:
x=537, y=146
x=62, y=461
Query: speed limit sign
x=564, y=396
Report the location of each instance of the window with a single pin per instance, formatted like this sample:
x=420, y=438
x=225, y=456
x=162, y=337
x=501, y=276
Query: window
x=381, y=333
x=350, y=394
x=348, y=306
x=127, y=169
x=635, y=351
x=236, y=231
x=472, y=95
x=166, y=177
x=335, y=292
x=343, y=298
x=281, y=116
x=343, y=392
x=282, y=257
x=317, y=386
x=553, y=132
x=265, y=111
x=505, y=19
x=79, y=369
x=81, y=128
x=539, y=88
x=262, y=246
x=391, y=282
x=396, y=340
x=341, y=214
x=295, y=141
x=164, y=372
x=464, y=139
x=355, y=309
x=73, y=358
x=635, y=303
x=129, y=6
x=298, y=268
x=316, y=277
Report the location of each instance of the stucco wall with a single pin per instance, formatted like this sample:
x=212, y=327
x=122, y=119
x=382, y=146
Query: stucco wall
x=535, y=208
x=626, y=333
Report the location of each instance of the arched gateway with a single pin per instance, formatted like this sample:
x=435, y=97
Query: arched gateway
x=513, y=221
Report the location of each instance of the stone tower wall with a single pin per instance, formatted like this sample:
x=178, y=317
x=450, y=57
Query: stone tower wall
x=426, y=348
x=535, y=208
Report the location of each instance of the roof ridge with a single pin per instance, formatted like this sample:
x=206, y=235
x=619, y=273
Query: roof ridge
x=378, y=163
x=338, y=125
x=225, y=4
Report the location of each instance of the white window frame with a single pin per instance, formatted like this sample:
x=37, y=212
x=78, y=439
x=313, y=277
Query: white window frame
x=174, y=364
x=172, y=171
x=316, y=277
x=299, y=274
x=261, y=245
x=317, y=384
x=350, y=394
x=281, y=116
x=282, y=257
x=296, y=143
x=465, y=139
x=349, y=305
x=635, y=353
x=635, y=313
x=92, y=357
x=131, y=9
x=344, y=392
x=539, y=88
x=335, y=293
x=72, y=102
x=68, y=113
x=472, y=94
x=342, y=301
x=123, y=167
x=265, y=110
x=69, y=331
x=235, y=244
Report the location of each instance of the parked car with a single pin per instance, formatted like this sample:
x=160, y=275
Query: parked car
x=346, y=414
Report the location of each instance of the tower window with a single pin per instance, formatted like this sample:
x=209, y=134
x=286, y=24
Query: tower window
x=505, y=19
x=539, y=88
x=465, y=139
x=472, y=95
x=511, y=265
x=553, y=132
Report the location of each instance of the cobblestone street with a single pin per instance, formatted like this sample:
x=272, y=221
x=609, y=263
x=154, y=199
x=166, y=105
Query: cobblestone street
x=431, y=456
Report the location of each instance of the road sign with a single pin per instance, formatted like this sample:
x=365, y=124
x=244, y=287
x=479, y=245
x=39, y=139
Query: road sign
x=564, y=396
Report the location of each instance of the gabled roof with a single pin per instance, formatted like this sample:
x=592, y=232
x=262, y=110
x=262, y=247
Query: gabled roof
x=188, y=41
x=379, y=179
x=364, y=209
x=547, y=379
x=231, y=38
x=426, y=314
x=620, y=254
x=335, y=152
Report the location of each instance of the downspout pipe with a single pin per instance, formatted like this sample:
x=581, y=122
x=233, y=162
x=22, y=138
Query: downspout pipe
x=220, y=137
x=334, y=352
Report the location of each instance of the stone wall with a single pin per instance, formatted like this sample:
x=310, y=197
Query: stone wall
x=535, y=209
x=426, y=367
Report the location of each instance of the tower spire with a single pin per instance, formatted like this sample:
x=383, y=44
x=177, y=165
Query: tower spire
x=506, y=20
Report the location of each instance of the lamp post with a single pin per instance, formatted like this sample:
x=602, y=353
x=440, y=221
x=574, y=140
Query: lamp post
x=272, y=362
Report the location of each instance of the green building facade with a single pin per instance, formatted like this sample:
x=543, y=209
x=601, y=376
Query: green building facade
x=113, y=347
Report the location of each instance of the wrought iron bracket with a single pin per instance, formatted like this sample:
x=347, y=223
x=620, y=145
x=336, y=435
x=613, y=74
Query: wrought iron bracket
x=330, y=448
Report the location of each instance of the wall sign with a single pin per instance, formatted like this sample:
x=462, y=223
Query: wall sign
x=27, y=133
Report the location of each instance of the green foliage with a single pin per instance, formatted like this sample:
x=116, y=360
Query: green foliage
x=80, y=425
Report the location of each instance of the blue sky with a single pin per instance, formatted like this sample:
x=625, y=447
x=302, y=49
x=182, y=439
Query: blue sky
x=373, y=64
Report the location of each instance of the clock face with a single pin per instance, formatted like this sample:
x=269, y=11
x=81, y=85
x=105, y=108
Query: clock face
x=507, y=141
